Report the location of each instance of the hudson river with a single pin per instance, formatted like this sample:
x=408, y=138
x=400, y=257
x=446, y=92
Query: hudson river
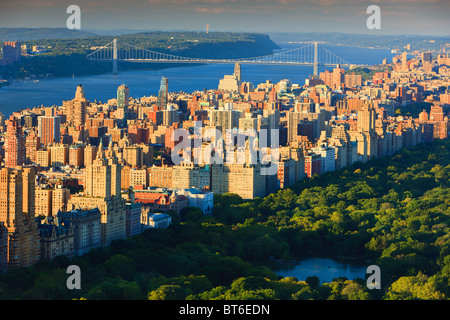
x=48, y=92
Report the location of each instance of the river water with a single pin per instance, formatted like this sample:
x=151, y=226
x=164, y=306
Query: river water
x=48, y=92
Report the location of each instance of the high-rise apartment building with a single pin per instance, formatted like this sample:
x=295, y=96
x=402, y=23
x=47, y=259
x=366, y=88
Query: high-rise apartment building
x=426, y=57
x=59, y=154
x=90, y=152
x=248, y=123
x=43, y=200
x=133, y=156
x=113, y=214
x=43, y=158
x=170, y=115
x=16, y=208
x=75, y=110
x=98, y=177
x=15, y=150
x=352, y=80
x=233, y=81
x=103, y=193
x=28, y=192
x=160, y=176
x=340, y=133
x=328, y=155
x=32, y=145
x=333, y=79
x=125, y=177
x=405, y=61
x=286, y=174
x=436, y=113
x=190, y=176
x=237, y=72
x=163, y=93
x=242, y=179
x=76, y=155
x=138, y=177
x=225, y=118
x=313, y=165
x=123, y=101
x=366, y=120
x=315, y=117
x=116, y=171
x=49, y=129
x=133, y=219
x=60, y=199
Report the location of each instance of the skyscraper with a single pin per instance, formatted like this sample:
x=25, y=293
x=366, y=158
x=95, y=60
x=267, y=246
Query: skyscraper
x=123, y=96
x=15, y=151
x=75, y=110
x=60, y=197
x=98, y=176
x=366, y=120
x=17, y=215
x=237, y=72
x=163, y=93
x=116, y=171
x=426, y=57
x=405, y=61
x=49, y=129
x=170, y=115
x=225, y=118
x=102, y=192
x=28, y=192
x=32, y=145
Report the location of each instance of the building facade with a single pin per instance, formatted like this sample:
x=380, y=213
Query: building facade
x=86, y=226
x=56, y=239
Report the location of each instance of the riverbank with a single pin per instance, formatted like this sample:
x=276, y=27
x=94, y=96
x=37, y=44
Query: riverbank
x=334, y=44
x=121, y=69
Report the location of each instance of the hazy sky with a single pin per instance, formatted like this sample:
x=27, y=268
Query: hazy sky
x=431, y=17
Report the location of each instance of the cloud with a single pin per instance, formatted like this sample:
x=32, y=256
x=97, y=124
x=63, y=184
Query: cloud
x=210, y=10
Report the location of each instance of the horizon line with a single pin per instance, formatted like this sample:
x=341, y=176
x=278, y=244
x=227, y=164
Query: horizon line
x=138, y=30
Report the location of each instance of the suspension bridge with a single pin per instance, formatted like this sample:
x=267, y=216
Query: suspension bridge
x=309, y=55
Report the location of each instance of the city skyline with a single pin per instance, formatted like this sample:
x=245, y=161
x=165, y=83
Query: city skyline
x=319, y=172
x=85, y=179
x=347, y=16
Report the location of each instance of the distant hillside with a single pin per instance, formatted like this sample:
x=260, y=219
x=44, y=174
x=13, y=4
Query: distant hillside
x=189, y=43
x=417, y=42
x=25, y=34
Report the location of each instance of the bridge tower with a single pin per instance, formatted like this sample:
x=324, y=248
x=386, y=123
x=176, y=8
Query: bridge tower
x=115, y=56
x=316, y=59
